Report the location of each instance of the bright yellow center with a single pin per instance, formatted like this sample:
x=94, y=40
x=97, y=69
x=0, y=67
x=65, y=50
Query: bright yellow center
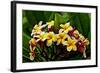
x=71, y=44
x=65, y=27
x=50, y=38
x=61, y=38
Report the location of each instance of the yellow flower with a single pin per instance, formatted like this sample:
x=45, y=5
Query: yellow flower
x=32, y=43
x=71, y=44
x=50, y=24
x=76, y=34
x=37, y=28
x=86, y=42
x=61, y=38
x=65, y=27
x=83, y=39
x=41, y=37
x=50, y=38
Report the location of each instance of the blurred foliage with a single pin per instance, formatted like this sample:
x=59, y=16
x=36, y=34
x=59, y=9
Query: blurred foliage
x=79, y=20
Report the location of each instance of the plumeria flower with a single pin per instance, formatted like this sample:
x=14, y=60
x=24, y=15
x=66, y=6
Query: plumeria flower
x=65, y=28
x=70, y=45
x=50, y=24
x=50, y=38
x=81, y=45
x=37, y=29
x=67, y=36
x=42, y=37
x=74, y=33
x=32, y=43
x=61, y=38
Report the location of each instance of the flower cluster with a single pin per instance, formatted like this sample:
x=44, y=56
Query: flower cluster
x=67, y=36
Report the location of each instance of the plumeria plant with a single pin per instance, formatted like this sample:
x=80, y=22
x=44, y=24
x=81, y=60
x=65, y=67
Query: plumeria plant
x=66, y=41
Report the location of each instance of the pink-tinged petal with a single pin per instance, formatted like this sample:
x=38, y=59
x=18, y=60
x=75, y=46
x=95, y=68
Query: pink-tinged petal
x=84, y=53
x=80, y=46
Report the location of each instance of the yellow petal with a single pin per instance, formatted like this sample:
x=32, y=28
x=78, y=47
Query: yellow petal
x=76, y=31
x=65, y=36
x=86, y=41
x=51, y=23
x=33, y=41
x=69, y=40
x=62, y=40
x=81, y=37
x=64, y=43
x=66, y=26
x=73, y=42
x=58, y=41
x=54, y=39
x=40, y=23
x=31, y=48
x=35, y=26
x=49, y=42
x=61, y=25
x=70, y=28
x=69, y=48
x=66, y=31
x=31, y=57
x=43, y=36
x=74, y=48
x=43, y=39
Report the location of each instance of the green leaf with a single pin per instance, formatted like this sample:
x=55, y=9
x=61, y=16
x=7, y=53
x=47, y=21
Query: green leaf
x=27, y=50
x=51, y=16
x=47, y=15
x=85, y=23
x=30, y=16
x=24, y=21
x=38, y=50
x=89, y=36
x=75, y=21
x=58, y=20
x=40, y=58
x=39, y=15
x=38, y=47
x=43, y=59
x=26, y=39
x=25, y=59
x=31, y=21
x=25, y=55
x=66, y=16
x=53, y=57
x=82, y=22
x=77, y=56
